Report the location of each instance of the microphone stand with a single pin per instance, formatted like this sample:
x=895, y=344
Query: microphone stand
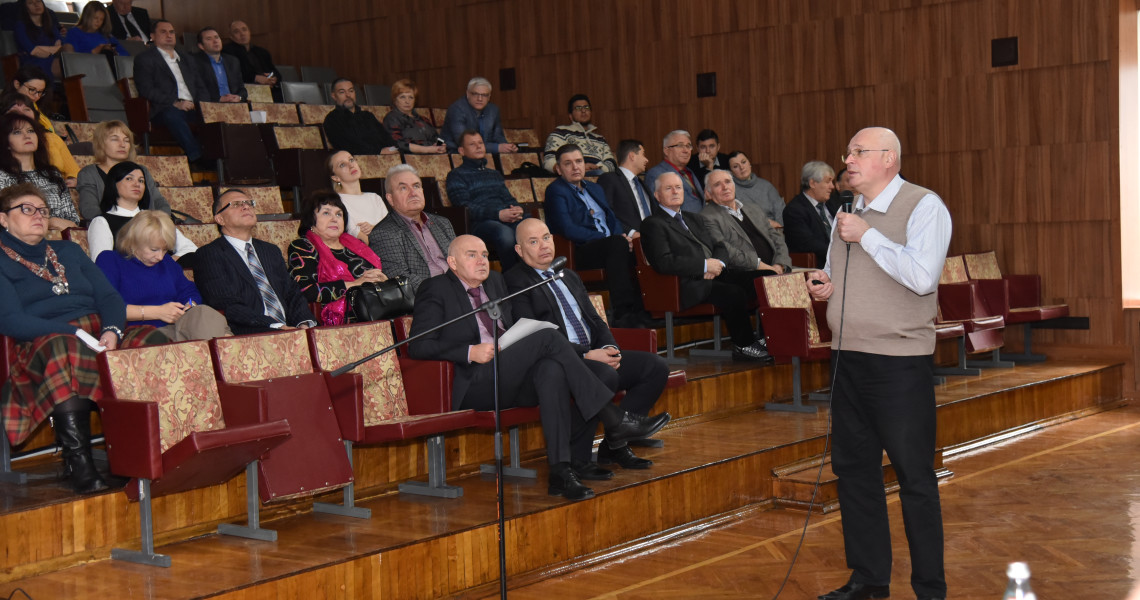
x=491, y=307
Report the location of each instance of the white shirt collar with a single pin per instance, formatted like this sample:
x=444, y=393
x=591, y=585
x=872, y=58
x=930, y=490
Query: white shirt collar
x=883, y=201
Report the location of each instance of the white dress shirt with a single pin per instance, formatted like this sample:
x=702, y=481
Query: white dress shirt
x=172, y=62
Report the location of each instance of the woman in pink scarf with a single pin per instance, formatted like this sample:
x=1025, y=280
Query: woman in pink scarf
x=326, y=261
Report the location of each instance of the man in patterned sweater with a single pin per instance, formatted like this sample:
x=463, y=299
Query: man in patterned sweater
x=580, y=132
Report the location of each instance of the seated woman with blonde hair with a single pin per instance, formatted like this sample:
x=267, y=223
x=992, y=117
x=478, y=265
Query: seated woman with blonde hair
x=154, y=287
x=326, y=261
x=112, y=143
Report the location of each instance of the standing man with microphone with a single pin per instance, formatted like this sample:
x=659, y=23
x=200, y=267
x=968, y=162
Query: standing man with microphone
x=884, y=263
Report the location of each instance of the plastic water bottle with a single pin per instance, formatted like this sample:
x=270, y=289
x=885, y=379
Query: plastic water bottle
x=1018, y=588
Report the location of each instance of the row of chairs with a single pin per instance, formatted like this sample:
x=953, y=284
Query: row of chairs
x=975, y=303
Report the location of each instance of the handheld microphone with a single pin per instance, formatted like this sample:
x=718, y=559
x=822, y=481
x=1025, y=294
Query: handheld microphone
x=847, y=198
x=558, y=264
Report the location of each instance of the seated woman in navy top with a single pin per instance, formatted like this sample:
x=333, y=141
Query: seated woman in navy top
x=154, y=287
x=92, y=35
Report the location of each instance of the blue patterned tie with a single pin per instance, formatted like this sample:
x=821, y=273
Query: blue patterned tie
x=268, y=296
x=641, y=197
x=571, y=319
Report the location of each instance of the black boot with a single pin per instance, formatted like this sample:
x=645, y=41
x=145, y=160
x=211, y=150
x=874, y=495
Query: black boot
x=73, y=432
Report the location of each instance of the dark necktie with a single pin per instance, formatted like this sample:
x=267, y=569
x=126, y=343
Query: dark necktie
x=681, y=220
x=641, y=199
x=599, y=215
x=822, y=208
x=484, y=318
x=571, y=318
x=268, y=296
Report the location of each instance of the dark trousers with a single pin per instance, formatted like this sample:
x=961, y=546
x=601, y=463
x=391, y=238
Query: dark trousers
x=887, y=403
x=733, y=294
x=642, y=375
x=544, y=370
x=613, y=255
x=178, y=122
x=501, y=237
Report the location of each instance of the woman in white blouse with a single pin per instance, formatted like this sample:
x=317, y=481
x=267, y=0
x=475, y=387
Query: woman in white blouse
x=124, y=197
x=365, y=209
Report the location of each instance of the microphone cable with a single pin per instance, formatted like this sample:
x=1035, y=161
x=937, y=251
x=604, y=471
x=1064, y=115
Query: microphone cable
x=827, y=436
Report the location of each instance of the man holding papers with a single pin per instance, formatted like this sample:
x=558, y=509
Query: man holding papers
x=541, y=370
x=566, y=303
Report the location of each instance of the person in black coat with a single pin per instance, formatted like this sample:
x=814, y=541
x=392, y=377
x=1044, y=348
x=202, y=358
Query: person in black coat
x=541, y=369
x=353, y=129
x=627, y=194
x=642, y=375
x=129, y=22
x=708, y=156
x=155, y=80
x=227, y=277
x=808, y=218
x=218, y=69
x=677, y=243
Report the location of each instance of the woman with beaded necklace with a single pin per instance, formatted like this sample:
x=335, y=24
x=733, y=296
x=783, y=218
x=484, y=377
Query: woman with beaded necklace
x=60, y=310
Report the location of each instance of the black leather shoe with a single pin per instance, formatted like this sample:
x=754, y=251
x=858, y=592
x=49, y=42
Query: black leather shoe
x=858, y=591
x=591, y=471
x=621, y=456
x=634, y=427
x=564, y=482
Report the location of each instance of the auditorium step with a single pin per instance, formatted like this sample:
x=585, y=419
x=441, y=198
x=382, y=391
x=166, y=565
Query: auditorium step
x=794, y=483
x=720, y=456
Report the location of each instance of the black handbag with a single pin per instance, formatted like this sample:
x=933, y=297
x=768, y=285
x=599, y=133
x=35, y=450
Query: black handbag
x=381, y=300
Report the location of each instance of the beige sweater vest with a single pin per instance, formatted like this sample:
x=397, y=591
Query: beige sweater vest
x=882, y=316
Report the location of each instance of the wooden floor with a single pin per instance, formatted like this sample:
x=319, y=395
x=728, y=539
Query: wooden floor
x=718, y=467
x=1063, y=499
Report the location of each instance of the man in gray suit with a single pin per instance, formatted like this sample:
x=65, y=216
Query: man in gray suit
x=409, y=241
x=751, y=242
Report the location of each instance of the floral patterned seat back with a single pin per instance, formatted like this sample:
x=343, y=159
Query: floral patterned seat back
x=303, y=138
x=384, y=395
x=983, y=266
x=600, y=306
x=789, y=291
x=278, y=233
x=196, y=201
x=375, y=166
x=257, y=92
x=225, y=112
x=314, y=114
x=953, y=270
x=520, y=189
x=167, y=170
x=256, y=357
x=378, y=111
x=179, y=378
x=278, y=114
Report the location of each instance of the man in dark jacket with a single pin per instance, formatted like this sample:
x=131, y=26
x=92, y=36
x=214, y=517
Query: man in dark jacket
x=221, y=73
x=492, y=212
x=353, y=129
x=169, y=80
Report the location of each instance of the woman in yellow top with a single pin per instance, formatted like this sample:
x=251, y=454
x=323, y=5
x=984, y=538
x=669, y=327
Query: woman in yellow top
x=30, y=81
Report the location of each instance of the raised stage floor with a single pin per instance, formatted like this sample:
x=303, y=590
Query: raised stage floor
x=723, y=458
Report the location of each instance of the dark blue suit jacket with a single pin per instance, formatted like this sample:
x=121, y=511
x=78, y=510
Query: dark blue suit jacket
x=227, y=284
x=569, y=217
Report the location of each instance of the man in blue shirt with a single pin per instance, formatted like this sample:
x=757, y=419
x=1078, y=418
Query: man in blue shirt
x=577, y=210
x=475, y=111
x=220, y=72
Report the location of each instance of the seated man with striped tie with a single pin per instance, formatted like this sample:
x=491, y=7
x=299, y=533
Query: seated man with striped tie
x=246, y=277
x=641, y=375
x=577, y=210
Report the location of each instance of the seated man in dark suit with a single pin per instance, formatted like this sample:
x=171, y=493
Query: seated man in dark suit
x=752, y=243
x=541, y=369
x=246, y=277
x=221, y=73
x=576, y=209
x=677, y=243
x=256, y=62
x=168, y=79
x=492, y=212
x=807, y=218
x=129, y=22
x=630, y=200
x=566, y=303
x=410, y=241
x=353, y=129
x=708, y=157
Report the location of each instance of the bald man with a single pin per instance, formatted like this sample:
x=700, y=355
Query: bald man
x=541, y=369
x=566, y=303
x=885, y=260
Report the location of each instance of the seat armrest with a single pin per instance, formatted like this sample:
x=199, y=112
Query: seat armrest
x=635, y=339
x=131, y=431
x=786, y=330
x=427, y=384
x=243, y=404
x=347, y=394
x=1024, y=290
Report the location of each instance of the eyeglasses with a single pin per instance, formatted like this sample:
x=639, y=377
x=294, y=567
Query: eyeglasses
x=859, y=152
x=33, y=92
x=480, y=95
x=237, y=204
x=685, y=146
x=31, y=209
x=583, y=108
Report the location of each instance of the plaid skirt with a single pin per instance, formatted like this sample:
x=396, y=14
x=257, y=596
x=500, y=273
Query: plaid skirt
x=56, y=367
